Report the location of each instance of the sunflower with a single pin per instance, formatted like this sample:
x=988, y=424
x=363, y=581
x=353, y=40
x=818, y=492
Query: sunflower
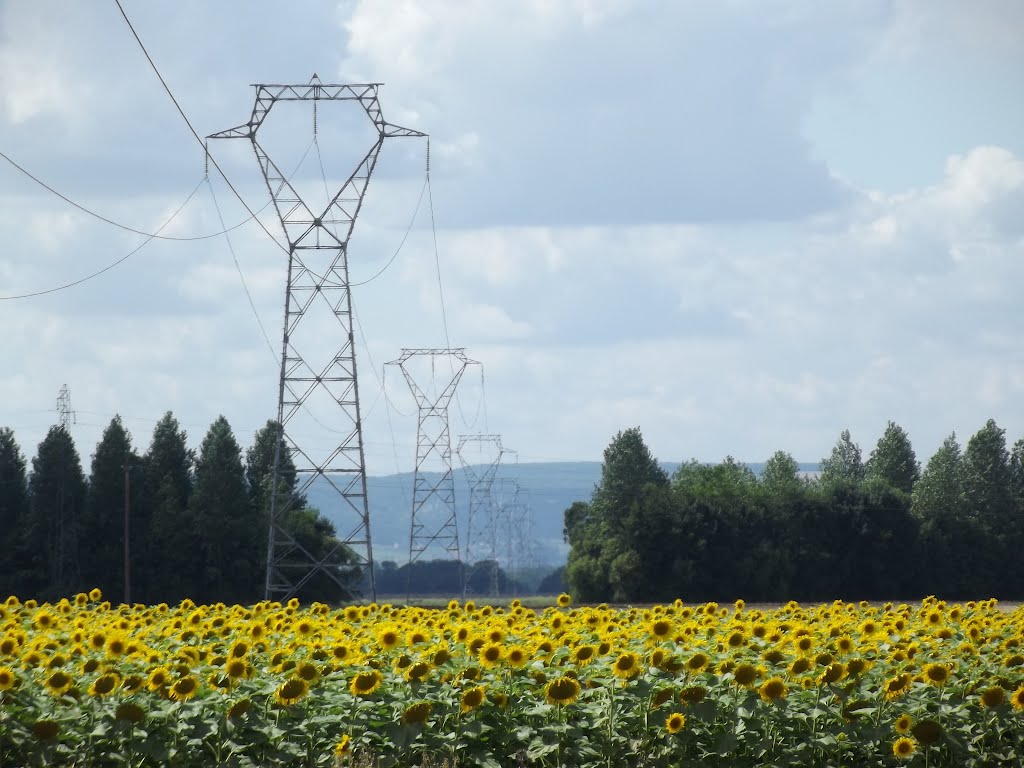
x=661, y=697
x=95, y=595
x=698, y=662
x=773, y=689
x=674, y=723
x=236, y=668
x=799, y=666
x=936, y=674
x=774, y=656
x=517, y=656
x=897, y=686
x=104, y=685
x=417, y=713
x=856, y=666
x=562, y=691
x=388, y=638
x=661, y=628
x=343, y=746
x=239, y=649
x=693, y=694
x=158, y=678
x=1017, y=699
x=473, y=698
x=745, y=675
x=239, y=708
x=308, y=671
x=844, y=644
x=116, y=646
x=903, y=748
x=834, y=672
x=291, y=691
x=564, y=600
x=626, y=666
x=903, y=724
x=129, y=713
x=365, y=683
x=184, y=688
x=927, y=731
x=417, y=671
x=7, y=679
x=992, y=697
x=56, y=684
x=490, y=656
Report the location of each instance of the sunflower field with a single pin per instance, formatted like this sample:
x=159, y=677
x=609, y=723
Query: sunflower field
x=87, y=683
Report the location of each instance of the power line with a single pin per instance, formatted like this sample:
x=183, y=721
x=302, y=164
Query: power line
x=113, y=264
x=405, y=237
x=125, y=227
x=241, y=276
x=191, y=128
x=440, y=289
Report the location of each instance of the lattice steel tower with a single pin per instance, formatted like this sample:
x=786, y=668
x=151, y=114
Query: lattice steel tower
x=316, y=367
x=432, y=522
x=481, y=542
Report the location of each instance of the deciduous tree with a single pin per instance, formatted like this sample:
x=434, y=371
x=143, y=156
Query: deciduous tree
x=893, y=460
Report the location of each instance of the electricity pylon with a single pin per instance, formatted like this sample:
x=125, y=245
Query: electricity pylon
x=481, y=540
x=64, y=412
x=432, y=523
x=312, y=370
x=62, y=551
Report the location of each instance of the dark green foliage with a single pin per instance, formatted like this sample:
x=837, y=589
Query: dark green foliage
x=871, y=531
x=893, y=460
x=844, y=464
x=988, y=487
x=102, y=521
x=14, y=510
x=313, y=532
x=232, y=530
x=166, y=525
x=605, y=558
x=57, y=490
x=554, y=583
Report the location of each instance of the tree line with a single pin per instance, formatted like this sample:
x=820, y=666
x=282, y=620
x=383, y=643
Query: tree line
x=197, y=521
x=876, y=529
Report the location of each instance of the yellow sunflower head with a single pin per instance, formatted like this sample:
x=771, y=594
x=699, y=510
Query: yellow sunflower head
x=903, y=724
x=563, y=690
x=773, y=689
x=675, y=722
x=417, y=713
x=365, y=683
x=626, y=665
x=472, y=698
x=291, y=691
x=184, y=688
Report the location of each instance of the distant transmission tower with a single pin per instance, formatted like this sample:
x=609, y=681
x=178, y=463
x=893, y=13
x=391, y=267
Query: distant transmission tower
x=63, y=554
x=432, y=524
x=481, y=542
x=520, y=538
x=64, y=413
x=317, y=292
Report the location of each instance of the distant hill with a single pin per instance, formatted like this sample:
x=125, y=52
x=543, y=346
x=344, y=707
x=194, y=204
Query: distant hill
x=548, y=488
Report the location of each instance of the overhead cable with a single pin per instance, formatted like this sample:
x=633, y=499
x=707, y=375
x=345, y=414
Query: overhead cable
x=110, y=266
x=191, y=128
x=119, y=225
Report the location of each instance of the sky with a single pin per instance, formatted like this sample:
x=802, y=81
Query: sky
x=739, y=226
